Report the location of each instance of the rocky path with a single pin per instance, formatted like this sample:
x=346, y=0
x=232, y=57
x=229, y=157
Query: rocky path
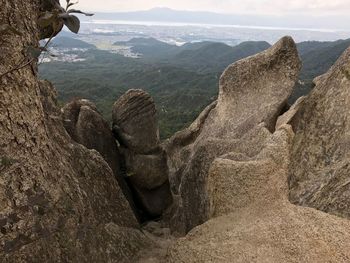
x=162, y=239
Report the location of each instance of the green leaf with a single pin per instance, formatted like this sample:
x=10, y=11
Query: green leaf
x=34, y=52
x=73, y=23
x=63, y=15
x=79, y=12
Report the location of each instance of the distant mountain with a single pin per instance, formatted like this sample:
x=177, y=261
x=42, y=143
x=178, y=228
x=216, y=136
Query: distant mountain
x=69, y=42
x=215, y=57
x=141, y=41
x=201, y=56
x=149, y=47
x=307, y=46
x=320, y=56
x=181, y=79
x=317, y=58
x=178, y=16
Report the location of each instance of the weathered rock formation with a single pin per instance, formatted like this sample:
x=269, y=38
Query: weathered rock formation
x=59, y=202
x=135, y=122
x=253, y=92
x=253, y=219
x=86, y=126
x=135, y=126
x=319, y=172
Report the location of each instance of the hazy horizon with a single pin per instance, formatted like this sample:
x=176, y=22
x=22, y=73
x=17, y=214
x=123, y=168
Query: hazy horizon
x=166, y=14
x=255, y=7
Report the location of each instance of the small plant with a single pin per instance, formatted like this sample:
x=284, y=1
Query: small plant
x=61, y=15
x=55, y=19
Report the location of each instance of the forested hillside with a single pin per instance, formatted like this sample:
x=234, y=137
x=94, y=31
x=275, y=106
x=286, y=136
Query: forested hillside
x=317, y=58
x=181, y=79
x=68, y=42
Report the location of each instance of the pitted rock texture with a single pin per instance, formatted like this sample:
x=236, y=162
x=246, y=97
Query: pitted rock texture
x=252, y=219
x=56, y=197
x=253, y=92
x=58, y=216
x=319, y=172
x=135, y=121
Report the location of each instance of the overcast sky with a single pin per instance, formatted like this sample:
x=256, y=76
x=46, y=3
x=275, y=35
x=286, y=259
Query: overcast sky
x=274, y=7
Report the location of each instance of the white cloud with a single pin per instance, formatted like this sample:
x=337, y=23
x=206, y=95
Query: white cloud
x=312, y=7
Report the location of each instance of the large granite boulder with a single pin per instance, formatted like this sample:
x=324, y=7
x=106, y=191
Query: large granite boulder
x=319, y=172
x=252, y=219
x=70, y=115
x=93, y=132
x=253, y=93
x=135, y=126
x=86, y=126
x=147, y=171
x=135, y=121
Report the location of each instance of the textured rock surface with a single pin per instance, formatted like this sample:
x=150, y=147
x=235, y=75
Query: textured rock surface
x=59, y=216
x=135, y=121
x=70, y=115
x=254, y=221
x=290, y=117
x=94, y=133
x=319, y=174
x=253, y=91
x=135, y=126
x=56, y=196
x=147, y=171
x=162, y=238
x=87, y=127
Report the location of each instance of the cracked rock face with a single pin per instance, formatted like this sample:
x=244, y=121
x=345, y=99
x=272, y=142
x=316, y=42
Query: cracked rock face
x=319, y=172
x=253, y=92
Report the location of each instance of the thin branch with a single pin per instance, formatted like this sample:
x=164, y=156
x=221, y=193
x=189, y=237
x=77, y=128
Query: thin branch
x=28, y=62
x=48, y=42
x=17, y=67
